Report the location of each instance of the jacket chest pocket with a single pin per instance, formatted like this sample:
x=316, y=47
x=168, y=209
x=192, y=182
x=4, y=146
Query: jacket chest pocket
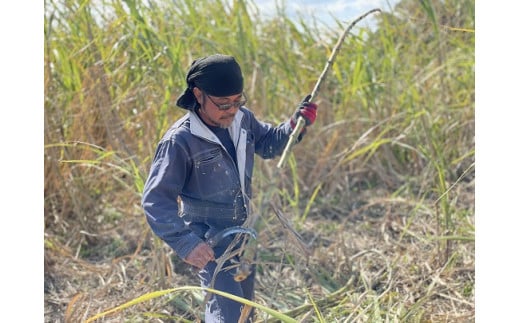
x=207, y=158
x=213, y=177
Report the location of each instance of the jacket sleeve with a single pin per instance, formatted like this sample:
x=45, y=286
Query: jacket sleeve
x=168, y=172
x=270, y=141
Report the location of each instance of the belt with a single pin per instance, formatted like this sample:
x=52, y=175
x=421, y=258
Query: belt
x=211, y=212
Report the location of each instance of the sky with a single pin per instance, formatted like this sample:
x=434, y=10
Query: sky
x=341, y=9
x=326, y=10
x=497, y=159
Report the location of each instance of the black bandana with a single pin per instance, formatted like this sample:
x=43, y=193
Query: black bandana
x=217, y=75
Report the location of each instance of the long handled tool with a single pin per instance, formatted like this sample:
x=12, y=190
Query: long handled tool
x=301, y=121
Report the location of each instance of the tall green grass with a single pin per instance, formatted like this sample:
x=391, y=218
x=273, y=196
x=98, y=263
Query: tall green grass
x=394, y=138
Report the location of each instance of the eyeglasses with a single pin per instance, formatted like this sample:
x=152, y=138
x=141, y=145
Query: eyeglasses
x=227, y=106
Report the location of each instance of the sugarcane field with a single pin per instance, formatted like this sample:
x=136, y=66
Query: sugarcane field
x=368, y=215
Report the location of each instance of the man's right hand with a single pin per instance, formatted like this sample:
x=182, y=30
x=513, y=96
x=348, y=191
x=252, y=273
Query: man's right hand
x=200, y=255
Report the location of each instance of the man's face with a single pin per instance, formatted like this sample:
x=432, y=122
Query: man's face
x=210, y=111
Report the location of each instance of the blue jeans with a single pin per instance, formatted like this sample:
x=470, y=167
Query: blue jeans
x=220, y=309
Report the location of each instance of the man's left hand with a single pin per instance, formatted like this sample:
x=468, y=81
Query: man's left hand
x=307, y=110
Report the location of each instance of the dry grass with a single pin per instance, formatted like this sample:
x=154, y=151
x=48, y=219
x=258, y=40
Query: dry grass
x=381, y=257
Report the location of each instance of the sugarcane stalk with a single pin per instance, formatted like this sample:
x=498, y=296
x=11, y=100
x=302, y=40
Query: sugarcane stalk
x=301, y=121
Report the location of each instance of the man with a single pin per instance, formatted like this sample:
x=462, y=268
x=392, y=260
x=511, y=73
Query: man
x=200, y=178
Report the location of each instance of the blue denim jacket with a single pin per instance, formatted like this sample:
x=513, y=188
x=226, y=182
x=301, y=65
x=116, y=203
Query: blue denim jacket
x=194, y=189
